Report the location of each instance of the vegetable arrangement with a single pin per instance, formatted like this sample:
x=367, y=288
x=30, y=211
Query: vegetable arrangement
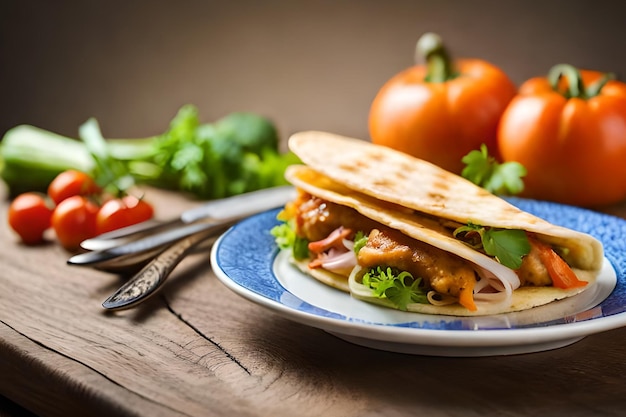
x=233, y=155
x=82, y=188
x=564, y=134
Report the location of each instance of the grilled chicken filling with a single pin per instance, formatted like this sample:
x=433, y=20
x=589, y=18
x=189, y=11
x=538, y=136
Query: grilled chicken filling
x=441, y=271
x=533, y=272
x=331, y=228
x=318, y=218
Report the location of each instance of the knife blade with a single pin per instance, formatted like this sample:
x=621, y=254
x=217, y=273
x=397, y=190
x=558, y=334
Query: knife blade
x=213, y=216
x=216, y=210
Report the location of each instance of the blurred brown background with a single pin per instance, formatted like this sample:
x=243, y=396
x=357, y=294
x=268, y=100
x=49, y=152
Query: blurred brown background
x=307, y=65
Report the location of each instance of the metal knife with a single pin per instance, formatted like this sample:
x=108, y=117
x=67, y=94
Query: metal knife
x=216, y=209
x=214, y=215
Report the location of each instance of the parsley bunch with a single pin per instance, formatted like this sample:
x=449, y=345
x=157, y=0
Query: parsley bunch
x=234, y=155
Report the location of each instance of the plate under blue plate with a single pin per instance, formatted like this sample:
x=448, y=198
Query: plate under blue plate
x=247, y=261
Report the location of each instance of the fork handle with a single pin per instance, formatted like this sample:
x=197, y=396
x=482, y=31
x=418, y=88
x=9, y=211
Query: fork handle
x=152, y=276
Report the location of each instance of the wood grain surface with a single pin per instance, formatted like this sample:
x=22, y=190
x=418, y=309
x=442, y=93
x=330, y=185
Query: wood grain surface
x=197, y=349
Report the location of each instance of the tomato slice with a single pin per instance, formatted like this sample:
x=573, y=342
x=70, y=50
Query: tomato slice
x=561, y=274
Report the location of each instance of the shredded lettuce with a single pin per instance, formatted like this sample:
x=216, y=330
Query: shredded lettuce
x=286, y=238
x=360, y=240
x=399, y=287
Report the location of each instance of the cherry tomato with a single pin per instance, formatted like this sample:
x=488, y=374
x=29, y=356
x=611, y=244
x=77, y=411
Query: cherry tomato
x=74, y=220
x=70, y=183
x=121, y=212
x=29, y=217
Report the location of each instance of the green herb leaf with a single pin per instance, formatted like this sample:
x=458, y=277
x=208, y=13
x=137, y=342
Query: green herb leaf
x=478, y=165
x=398, y=287
x=484, y=171
x=508, y=246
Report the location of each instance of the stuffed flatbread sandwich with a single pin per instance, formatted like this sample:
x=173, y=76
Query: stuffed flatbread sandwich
x=400, y=232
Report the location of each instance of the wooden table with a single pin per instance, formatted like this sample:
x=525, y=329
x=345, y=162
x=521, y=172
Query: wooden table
x=198, y=349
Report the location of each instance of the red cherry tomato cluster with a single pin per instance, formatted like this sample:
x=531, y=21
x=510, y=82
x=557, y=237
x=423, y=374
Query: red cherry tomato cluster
x=76, y=209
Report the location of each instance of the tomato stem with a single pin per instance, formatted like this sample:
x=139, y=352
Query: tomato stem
x=430, y=48
x=595, y=88
x=575, y=85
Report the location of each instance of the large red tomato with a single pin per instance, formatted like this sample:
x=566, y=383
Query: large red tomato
x=569, y=131
x=442, y=110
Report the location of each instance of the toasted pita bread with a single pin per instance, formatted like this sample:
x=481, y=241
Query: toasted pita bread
x=396, y=177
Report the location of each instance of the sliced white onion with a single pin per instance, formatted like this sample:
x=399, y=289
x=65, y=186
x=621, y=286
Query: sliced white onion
x=442, y=301
x=481, y=284
x=335, y=261
x=492, y=289
x=503, y=294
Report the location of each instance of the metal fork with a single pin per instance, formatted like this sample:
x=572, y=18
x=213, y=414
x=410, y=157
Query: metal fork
x=157, y=248
x=152, y=276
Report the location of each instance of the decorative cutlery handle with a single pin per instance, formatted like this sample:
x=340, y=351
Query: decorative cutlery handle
x=151, y=277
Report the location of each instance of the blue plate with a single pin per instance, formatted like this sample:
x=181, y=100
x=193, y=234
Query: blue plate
x=247, y=261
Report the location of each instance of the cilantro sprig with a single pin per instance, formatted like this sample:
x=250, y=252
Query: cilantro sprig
x=398, y=287
x=499, y=178
x=508, y=246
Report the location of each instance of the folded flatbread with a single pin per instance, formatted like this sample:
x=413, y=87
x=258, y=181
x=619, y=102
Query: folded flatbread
x=412, y=207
